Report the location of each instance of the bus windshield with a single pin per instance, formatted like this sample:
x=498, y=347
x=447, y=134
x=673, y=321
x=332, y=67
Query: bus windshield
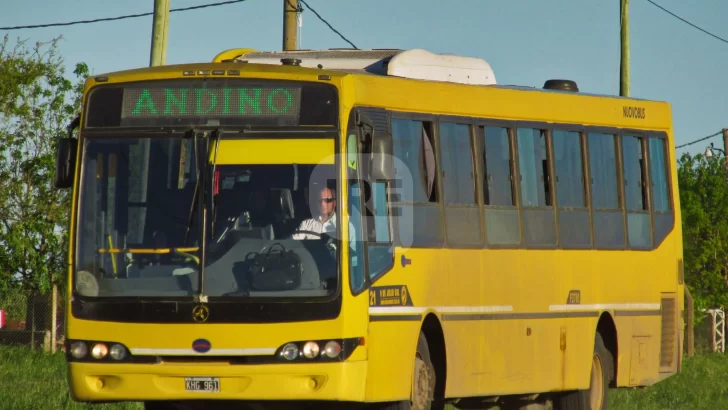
x=271, y=228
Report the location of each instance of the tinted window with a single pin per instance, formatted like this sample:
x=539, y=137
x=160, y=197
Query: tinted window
x=413, y=146
x=534, y=169
x=380, y=247
x=498, y=181
x=658, y=171
x=635, y=192
x=603, y=169
x=569, y=169
x=457, y=163
x=634, y=164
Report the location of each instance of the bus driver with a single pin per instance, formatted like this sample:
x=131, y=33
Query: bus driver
x=326, y=221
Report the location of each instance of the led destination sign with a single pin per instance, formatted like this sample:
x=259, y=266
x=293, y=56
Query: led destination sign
x=223, y=102
x=212, y=102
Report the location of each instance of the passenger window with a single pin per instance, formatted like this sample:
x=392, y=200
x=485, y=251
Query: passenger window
x=635, y=192
x=574, y=226
x=536, y=196
x=659, y=171
x=501, y=215
x=606, y=209
x=462, y=215
x=603, y=169
x=569, y=169
x=413, y=145
x=416, y=184
x=457, y=163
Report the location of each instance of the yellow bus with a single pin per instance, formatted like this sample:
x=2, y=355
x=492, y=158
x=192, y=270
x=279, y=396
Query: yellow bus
x=500, y=246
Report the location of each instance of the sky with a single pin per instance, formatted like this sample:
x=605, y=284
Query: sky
x=525, y=41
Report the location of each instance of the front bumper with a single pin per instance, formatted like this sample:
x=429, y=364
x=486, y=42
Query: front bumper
x=139, y=382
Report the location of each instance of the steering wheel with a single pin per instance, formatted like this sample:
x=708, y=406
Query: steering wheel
x=318, y=235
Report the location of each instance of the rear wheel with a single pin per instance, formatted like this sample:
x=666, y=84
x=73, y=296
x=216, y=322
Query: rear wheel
x=594, y=398
x=423, y=382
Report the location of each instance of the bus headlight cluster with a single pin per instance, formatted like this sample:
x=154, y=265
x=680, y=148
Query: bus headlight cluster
x=323, y=350
x=97, y=351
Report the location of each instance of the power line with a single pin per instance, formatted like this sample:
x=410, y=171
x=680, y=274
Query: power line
x=129, y=16
x=327, y=23
x=700, y=139
x=685, y=21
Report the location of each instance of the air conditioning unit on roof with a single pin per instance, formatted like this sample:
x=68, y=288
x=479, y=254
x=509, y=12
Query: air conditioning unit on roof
x=414, y=64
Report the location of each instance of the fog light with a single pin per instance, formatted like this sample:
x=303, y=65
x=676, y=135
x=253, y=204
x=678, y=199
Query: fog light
x=117, y=352
x=79, y=350
x=332, y=349
x=311, y=349
x=290, y=351
x=99, y=351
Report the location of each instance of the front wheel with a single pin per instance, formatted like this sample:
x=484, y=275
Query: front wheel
x=423, y=382
x=594, y=398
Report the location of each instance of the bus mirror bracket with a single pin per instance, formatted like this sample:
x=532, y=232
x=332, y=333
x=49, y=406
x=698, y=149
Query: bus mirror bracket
x=66, y=156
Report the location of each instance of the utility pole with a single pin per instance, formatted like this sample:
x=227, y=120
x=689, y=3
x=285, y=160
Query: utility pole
x=290, y=8
x=160, y=27
x=624, y=40
x=725, y=146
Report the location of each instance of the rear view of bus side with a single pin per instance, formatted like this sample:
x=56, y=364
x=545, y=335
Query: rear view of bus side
x=493, y=245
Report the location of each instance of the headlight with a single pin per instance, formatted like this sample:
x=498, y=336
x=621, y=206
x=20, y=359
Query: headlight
x=99, y=351
x=117, y=352
x=311, y=350
x=79, y=350
x=332, y=349
x=290, y=351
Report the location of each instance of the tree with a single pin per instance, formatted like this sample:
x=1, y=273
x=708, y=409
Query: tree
x=703, y=185
x=36, y=104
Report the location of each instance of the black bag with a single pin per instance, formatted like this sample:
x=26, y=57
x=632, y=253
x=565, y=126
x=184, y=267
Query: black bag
x=276, y=270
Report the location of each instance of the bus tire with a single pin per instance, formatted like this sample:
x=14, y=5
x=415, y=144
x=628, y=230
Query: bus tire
x=596, y=396
x=423, y=382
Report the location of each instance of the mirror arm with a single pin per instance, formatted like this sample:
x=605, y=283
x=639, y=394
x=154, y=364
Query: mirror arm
x=73, y=125
x=363, y=122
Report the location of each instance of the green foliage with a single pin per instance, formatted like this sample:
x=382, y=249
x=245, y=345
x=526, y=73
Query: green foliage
x=37, y=101
x=704, y=200
x=33, y=379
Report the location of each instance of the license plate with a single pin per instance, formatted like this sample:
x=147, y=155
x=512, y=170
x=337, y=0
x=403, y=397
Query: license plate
x=202, y=384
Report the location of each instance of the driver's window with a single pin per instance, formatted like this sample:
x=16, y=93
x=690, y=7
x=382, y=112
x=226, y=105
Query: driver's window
x=380, y=247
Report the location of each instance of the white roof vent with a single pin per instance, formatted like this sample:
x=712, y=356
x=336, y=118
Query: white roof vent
x=415, y=64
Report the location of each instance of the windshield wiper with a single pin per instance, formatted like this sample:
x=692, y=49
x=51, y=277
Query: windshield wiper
x=202, y=298
x=197, y=187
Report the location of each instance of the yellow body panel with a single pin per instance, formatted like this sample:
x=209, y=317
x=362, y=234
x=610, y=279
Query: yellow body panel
x=283, y=151
x=506, y=323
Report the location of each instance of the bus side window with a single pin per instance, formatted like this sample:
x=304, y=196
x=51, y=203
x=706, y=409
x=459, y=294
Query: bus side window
x=415, y=168
x=574, y=224
x=660, y=176
x=539, y=225
x=635, y=192
x=501, y=215
x=605, y=197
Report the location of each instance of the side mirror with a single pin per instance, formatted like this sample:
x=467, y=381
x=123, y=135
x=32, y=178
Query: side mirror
x=65, y=162
x=382, y=166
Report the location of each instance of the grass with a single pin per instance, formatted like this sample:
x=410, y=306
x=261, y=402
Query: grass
x=37, y=380
x=33, y=379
